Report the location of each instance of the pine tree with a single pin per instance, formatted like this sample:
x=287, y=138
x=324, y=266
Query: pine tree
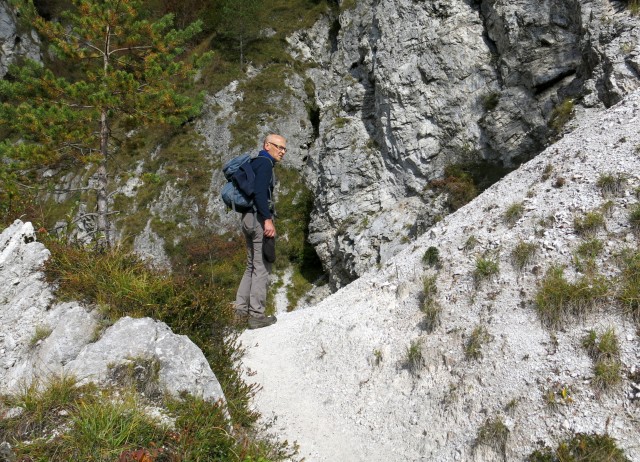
x=118, y=65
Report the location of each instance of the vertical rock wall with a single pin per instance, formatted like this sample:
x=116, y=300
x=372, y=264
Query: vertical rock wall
x=405, y=88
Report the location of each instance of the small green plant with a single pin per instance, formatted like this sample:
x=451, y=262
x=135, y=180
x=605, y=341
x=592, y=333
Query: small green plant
x=490, y=100
x=560, y=115
x=431, y=257
x=611, y=184
x=589, y=224
x=377, y=357
x=523, y=254
x=604, y=349
x=473, y=346
x=558, y=395
x=493, y=433
x=634, y=9
x=634, y=219
x=628, y=293
x=546, y=172
x=413, y=360
x=430, y=306
x=590, y=248
x=470, y=243
x=582, y=447
x=513, y=213
x=558, y=298
x=41, y=333
x=485, y=268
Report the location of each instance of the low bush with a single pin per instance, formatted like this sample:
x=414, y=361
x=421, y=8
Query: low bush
x=560, y=115
x=634, y=219
x=557, y=298
x=431, y=257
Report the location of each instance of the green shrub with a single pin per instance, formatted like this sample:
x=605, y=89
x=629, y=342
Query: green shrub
x=523, y=254
x=431, y=257
x=560, y=115
x=582, y=447
x=610, y=184
x=557, y=298
x=470, y=243
x=473, y=346
x=588, y=224
x=490, y=100
x=513, y=213
x=546, y=172
x=634, y=219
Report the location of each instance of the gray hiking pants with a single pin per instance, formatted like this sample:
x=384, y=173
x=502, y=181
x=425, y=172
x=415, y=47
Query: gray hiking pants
x=251, y=297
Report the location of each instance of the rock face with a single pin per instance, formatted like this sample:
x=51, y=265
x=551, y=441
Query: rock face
x=13, y=42
x=405, y=88
x=39, y=338
x=360, y=377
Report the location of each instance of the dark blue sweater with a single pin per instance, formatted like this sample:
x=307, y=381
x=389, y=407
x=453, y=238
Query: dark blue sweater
x=263, y=168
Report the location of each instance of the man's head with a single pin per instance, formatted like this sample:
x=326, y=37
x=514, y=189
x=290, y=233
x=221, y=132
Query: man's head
x=276, y=146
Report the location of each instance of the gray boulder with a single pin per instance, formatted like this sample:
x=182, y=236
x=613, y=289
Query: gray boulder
x=40, y=338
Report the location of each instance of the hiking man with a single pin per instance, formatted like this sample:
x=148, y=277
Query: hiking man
x=257, y=225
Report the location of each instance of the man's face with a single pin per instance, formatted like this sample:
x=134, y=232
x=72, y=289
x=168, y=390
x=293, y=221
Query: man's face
x=276, y=146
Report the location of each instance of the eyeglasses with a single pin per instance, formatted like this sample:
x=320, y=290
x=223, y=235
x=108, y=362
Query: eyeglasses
x=282, y=148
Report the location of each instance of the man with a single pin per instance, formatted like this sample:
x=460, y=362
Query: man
x=251, y=297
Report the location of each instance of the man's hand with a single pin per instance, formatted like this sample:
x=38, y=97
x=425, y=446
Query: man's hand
x=269, y=229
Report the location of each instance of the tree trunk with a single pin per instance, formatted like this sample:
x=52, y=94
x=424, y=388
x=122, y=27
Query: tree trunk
x=102, y=205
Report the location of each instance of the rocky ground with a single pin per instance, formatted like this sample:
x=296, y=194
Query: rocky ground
x=336, y=377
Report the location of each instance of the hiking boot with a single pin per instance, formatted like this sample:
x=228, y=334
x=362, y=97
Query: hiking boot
x=256, y=322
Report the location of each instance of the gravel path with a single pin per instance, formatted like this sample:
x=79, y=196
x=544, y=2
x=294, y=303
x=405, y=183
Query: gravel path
x=336, y=377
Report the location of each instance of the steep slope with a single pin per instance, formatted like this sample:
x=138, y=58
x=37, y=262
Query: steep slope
x=339, y=379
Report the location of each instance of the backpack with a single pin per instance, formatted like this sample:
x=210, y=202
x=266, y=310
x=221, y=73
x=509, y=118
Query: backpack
x=237, y=193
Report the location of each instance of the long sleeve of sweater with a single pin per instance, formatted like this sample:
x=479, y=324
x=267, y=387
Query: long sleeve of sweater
x=263, y=169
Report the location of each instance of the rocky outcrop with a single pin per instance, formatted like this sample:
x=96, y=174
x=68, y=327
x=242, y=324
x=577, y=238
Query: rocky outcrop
x=40, y=337
x=13, y=42
x=405, y=88
x=364, y=375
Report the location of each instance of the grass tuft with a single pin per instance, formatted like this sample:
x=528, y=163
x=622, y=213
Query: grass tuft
x=611, y=184
x=590, y=248
x=582, y=447
x=558, y=298
x=493, y=433
x=473, y=347
x=589, y=224
x=485, y=269
x=523, y=254
x=513, y=213
x=413, y=360
x=430, y=306
x=41, y=333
